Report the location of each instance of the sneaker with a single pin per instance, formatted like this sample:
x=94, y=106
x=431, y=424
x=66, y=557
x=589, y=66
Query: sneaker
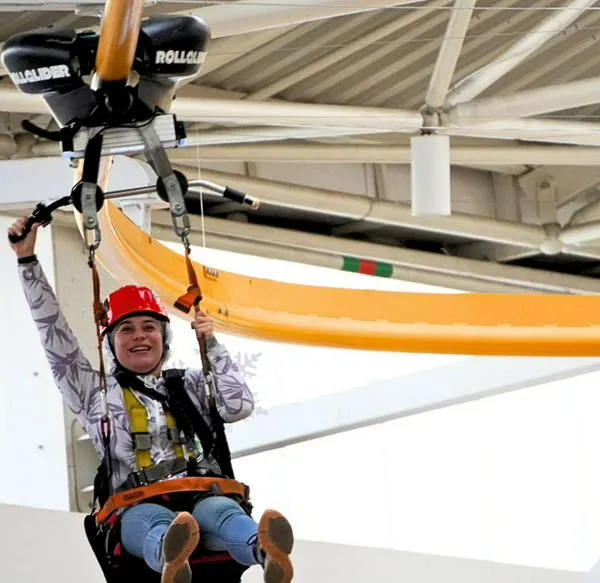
x=180, y=541
x=276, y=539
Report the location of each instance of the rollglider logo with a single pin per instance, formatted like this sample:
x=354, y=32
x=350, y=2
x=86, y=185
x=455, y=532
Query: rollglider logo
x=40, y=74
x=179, y=57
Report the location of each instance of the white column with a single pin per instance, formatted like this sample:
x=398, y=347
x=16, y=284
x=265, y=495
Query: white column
x=430, y=175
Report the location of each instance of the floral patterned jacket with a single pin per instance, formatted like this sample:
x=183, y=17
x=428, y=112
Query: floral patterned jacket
x=79, y=382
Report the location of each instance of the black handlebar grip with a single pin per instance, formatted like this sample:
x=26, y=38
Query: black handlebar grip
x=239, y=196
x=18, y=238
x=235, y=195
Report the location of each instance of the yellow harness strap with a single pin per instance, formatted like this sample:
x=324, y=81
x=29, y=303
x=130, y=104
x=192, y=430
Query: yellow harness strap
x=141, y=434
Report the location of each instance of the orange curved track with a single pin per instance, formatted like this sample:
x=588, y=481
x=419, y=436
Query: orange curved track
x=478, y=324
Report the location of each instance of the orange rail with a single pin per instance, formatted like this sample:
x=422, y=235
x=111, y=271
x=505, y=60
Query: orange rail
x=477, y=324
x=119, y=35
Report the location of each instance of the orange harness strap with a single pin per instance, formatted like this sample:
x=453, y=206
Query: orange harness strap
x=136, y=495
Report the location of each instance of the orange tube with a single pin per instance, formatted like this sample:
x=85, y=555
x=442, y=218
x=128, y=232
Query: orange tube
x=119, y=35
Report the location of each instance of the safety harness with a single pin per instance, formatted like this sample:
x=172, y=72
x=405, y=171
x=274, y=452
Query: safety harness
x=177, y=483
x=199, y=449
x=189, y=433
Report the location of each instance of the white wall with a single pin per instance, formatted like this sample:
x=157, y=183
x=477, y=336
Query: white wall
x=32, y=438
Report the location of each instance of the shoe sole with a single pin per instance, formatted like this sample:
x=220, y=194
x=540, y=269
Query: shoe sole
x=276, y=539
x=181, y=539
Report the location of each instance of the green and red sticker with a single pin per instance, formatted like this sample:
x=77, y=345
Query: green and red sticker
x=366, y=267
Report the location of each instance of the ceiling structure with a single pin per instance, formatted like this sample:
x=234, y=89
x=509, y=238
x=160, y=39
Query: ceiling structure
x=327, y=85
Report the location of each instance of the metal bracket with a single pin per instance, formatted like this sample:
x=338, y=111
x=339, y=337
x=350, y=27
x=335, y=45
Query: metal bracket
x=90, y=215
x=158, y=159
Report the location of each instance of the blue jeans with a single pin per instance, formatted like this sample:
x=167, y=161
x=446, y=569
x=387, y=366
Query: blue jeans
x=224, y=526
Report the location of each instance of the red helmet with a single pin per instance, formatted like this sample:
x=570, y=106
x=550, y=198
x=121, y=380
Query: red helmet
x=133, y=300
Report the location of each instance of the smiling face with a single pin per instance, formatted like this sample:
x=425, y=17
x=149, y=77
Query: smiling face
x=138, y=344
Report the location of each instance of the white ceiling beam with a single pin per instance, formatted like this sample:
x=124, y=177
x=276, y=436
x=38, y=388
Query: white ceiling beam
x=282, y=113
x=272, y=134
x=512, y=157
x=243, y=112
x=528, y=103
x=233, y=18
x=386, y=400
x=449, y=52
x=342, y=153
x=535, y=130
x=251, y=135
x=12, y=100
x=586, y=251
x=585, y=234
x=481, y=80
